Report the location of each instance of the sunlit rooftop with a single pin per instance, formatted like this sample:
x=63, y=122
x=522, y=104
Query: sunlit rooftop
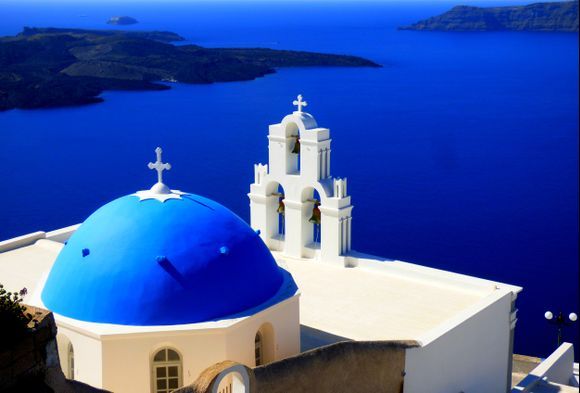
x=384, y=300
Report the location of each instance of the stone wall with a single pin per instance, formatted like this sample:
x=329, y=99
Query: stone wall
x=28, y=358
x=32, y=364
x=362, y=367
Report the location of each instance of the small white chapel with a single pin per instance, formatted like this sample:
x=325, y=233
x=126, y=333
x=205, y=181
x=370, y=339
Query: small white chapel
x=157, y=285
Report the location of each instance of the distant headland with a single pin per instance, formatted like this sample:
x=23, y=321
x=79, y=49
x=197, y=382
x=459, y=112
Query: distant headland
x=49, y=67
x=122, y=20
x=557, y=16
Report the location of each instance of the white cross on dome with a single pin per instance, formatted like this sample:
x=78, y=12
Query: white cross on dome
x=159, y=165
x=159, y=190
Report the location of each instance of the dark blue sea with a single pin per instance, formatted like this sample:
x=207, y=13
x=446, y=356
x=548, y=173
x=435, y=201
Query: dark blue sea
x=461, y=152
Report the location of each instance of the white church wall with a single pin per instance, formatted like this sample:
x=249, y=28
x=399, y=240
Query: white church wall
x=281, y=341
x=470, y=353
x=127, y=359
x=88, y=360
x=63, y=345
x=287, y=329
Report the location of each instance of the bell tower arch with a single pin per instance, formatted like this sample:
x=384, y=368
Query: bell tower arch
x=315, y=207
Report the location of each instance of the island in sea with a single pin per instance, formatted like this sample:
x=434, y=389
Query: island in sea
x=553, y=16
x=122, y=20
x=48, y=67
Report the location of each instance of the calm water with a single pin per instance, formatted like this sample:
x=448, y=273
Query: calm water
x=461, y=152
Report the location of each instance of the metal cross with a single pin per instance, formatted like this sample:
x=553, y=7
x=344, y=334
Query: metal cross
x=299, y=103
x=159, y=166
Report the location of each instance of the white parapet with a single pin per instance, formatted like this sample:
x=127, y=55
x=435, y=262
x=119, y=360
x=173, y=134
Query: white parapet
x=21, y=241
x=63, y=234
x=557, y=372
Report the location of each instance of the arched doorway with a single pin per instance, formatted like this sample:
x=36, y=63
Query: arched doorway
x=166, y=371
x=70, y=362
x=264, y=345
x=234, y=379
x=232, y=383
x=66, y=354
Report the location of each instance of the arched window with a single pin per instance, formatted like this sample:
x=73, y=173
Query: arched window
x=71, y=362
x=258, y=349
x=166, y=371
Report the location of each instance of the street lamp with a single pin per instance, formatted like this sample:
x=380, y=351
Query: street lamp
x=560, y=321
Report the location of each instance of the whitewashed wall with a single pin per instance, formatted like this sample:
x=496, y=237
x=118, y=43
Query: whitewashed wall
x=87, y=355
x=126, y=359
x=472, y=356
x=283, y=341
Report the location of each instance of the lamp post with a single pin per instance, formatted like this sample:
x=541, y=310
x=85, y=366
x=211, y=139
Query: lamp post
x=560, y=321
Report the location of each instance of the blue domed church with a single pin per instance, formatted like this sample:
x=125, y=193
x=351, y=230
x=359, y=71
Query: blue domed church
x=165, y=283
x=157, y=286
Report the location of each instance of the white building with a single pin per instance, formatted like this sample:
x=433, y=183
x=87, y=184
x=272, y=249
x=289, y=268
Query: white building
x=464, y=325
x=154, y=287
x=158, y=285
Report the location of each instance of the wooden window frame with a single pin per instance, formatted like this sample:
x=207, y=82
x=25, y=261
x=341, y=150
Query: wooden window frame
x=166, y=364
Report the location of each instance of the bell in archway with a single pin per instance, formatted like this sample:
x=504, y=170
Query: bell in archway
x=296, y=149
x=315, y=219
x=281, y=208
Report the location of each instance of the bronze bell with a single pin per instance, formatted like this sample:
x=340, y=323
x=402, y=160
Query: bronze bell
x=315, y=219
x=296, y=149
x=281, y=208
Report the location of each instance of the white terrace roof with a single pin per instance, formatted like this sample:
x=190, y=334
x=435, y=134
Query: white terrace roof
x=386, y=300
x=377, y=300
x=25, y=267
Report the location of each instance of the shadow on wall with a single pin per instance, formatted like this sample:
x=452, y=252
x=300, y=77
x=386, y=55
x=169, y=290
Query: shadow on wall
x=350, y=366
x=311, y=338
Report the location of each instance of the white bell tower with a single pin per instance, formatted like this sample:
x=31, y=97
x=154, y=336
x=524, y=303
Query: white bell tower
x=297, y=206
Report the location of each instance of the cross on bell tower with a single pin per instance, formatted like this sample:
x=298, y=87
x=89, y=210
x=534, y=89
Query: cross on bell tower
x=160, y=166
x=299, y=103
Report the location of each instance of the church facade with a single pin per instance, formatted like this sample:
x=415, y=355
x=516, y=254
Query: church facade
x=158, y=285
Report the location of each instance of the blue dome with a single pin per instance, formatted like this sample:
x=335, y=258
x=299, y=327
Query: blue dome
x=146, y=262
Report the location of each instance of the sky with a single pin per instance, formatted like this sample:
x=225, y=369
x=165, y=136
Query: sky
x=287, y=1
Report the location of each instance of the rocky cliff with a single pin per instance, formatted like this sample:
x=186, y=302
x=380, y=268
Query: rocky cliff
x=557, y=16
